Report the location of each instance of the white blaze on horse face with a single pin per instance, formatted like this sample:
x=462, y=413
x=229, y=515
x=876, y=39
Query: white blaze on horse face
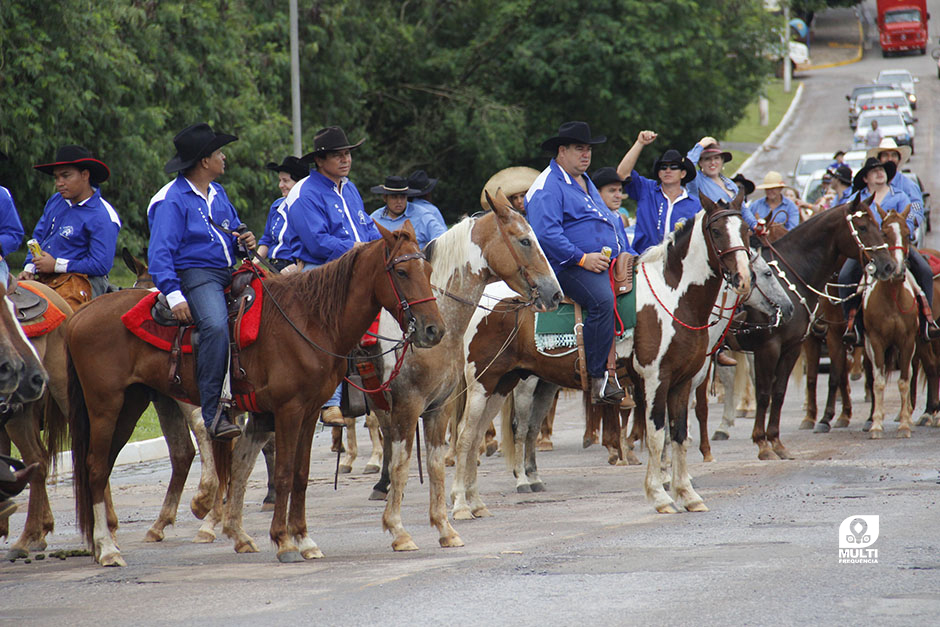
x=897, y=245
x=733, y=224
x=19, y=328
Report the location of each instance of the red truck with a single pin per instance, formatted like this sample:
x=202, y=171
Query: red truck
x=902, y=25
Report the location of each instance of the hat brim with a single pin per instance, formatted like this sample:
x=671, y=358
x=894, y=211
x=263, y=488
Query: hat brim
x=319, y=153
x=512, y=180
x=295, y=174
x=904, y=151
x=381, y=190
x=177, y=163
x=859, y=181
x=99, y=171
x=780, y=185
x=552, y=143
x=725, y=155
x=688, y=170
x=427, y=190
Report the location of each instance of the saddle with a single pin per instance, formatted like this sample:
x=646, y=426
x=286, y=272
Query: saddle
x=621, y=274
x=238, y=299
x=34, y=312
x=73, y=287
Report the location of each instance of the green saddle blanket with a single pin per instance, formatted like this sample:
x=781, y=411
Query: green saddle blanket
x=555, y=329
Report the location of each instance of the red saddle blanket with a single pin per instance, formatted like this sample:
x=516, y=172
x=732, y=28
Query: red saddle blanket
x=139, y=321
x=933, y=260
x=49, y=320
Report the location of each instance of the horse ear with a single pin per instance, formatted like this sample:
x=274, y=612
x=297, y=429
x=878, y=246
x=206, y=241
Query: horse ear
x=130, y=261
x=388, y=236
x=707, y=204
x=500, y=205
x=881, y=212
x=409, y=229
x=905, y=213
x=738, y=199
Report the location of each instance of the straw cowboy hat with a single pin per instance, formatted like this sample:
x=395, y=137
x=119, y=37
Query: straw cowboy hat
x=194, y=143
x=772, y=180
x=80, y=157
x=887, y=144
x=513, y=180
x=572, y=133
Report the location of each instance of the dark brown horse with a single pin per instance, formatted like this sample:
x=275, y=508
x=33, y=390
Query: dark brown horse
x=310, y=321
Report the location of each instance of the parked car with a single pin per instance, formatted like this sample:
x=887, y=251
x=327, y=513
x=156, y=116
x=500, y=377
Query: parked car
x=857, y=91
x=890, y=123
x=902, y=79
x=855, y=159
x=807, y=164
x=889, y=99
x=813, y=189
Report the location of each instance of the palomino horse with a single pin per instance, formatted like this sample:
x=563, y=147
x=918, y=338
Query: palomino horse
x=805, y=258
x=677, y=285
x=479, y=250
x=311, y=321
x=891, y=321
x=34, y=412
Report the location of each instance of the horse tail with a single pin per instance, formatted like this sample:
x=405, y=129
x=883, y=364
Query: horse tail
x=507, y=434
x=56, y=427
x=80, y=429
x=222, y=458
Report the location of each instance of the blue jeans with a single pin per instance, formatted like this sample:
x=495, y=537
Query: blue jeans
x=204, y=289
x=338, y=394
x=592, y=291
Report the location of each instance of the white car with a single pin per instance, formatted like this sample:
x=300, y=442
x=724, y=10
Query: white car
x=813, y=189
x=891, y=99
x=855, y=159
x=807, y=164
x=902, y=79
x=890, y=123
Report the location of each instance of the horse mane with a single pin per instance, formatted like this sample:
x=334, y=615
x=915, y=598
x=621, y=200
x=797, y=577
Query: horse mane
x=661, y=251
x=321, y=292
x=451, y=251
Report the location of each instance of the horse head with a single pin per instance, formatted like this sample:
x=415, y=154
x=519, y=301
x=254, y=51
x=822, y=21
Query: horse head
x=513, y=253
x=864, y=239
x=139, y=268
x=726, y=233
x=405, y=290
x=897, y=235
x=22, y=376
x=767, y=294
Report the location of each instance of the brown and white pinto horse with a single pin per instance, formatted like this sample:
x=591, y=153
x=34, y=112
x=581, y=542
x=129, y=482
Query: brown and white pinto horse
x=891, y=321
x=677, y=284
x=311, y=321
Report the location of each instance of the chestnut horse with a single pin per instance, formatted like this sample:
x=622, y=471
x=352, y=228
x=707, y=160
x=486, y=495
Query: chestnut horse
x=498, y=245
x=805, y=258
x=677, y=283
x=310, y=321
x=891, y=322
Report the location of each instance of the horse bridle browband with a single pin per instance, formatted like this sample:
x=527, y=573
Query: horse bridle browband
x=712, y=218
x=404, y=306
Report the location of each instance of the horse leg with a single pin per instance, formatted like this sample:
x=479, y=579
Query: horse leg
x=869, y=393
x=678, y=406
x=655, y=441
x=464, y=491
x=726, y=377
x=904, y=389
x=23, y=430
x=839, y=381
x=400, y=436
x=745, y=391
x=626, y=441
x=287, y=436
x=205, y=497
x=297, y=514
x=545, y=433
x=352, y=446
x=267, y=504
x=811, y=350
x=435, y=434
x=876, y=353
x=592, y=424
x=5, y=450
x=182, y=452
x=380, y=489
x=514, y=429
x=453, y=431
x=336, y=444
x=765, y=365
x=782, y=378
x=701, y=414
x=244, y=456
x=375, y=436
x=491, y=444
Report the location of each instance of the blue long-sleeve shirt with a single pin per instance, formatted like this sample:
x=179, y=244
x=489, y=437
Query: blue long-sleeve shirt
x=894, y=201
x=427, y=226
x=705, y=185
x=275, y=232
x=11, y=229
x=655, y=215
x=324, y=221
x=82, y=237
x=181, y=235
x=421, y=202
x=571, y=222
x=903, y=184
x=786, y=212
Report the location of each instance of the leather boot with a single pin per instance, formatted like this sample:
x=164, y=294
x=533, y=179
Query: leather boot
x=332, y=417
x=606, y=389
x=851, y=337
x=722, y=358
x=928, y=326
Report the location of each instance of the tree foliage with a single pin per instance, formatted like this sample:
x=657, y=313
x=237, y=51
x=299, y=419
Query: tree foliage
x=460, y=88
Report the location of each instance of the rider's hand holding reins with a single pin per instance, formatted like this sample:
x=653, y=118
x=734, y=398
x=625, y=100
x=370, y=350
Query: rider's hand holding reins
x=595, y=262
x=182, y=314
x=247, y=239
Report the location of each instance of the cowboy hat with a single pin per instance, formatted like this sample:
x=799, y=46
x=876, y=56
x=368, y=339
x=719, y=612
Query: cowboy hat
x=606, y=176
x=513, y=180
x=672, y=156
x=330, y=139
x=772, y=180
x=395, y=186
x=572, y=133
x=297, y=168
x=742, y=181
x=887, y=144
x=843, y=173
x=715, y=149
x=81, y=158
x=870, y=164
x=421, y=182
x=194, y=143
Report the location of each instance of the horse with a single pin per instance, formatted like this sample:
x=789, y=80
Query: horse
x=677, y=284
x=891, y=324
x=311, y=321
x=804, y=258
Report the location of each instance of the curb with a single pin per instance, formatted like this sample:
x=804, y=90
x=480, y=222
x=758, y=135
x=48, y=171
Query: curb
x=855, y=59
x=777, y=132
x=132, y=453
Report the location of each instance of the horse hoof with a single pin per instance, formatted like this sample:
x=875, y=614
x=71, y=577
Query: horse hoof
x=904, y=433
x=370, y=469
x=822, y=427
x=344, y=469
x=807, y=424
x=587, y=442
x=16, y=553
x=923, y=420
x=491, y=448
x=449, y=461
x=153, y=535
x=545, y=445
x=632, y=459
x=523, y=488
x=841, y=423
x=720, y=435
x=200, y=506
x=204, y=537
x=38, y=545
x=405, y=543
x=697, y=506
x=481, y=512
x=112, y=559
x=767, y=455
x=783, y=453
x=450, y=542
x=290, y=557
x=267, y=507
x=312, y=554
x=378, y=495
x=668, y=508
x=463, y=514
x=246, y=546
x=855, y=376
x=867, y=426
x=613, y=458
x=538, y=486
x=875, y=434
x=708, y=458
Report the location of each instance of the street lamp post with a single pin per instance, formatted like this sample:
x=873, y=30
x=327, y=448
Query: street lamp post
x=295, y=79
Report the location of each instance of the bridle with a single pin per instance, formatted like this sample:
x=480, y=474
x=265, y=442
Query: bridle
x=862, y=248
x=404, y=305
x=712, y=218
x=533, y=288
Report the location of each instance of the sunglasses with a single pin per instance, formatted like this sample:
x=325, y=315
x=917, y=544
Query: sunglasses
x=670, y=166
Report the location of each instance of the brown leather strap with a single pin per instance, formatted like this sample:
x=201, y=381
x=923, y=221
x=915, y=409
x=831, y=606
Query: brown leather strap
x=579, y=339
x=174, y=364
x=612, y=358
x=370, y=380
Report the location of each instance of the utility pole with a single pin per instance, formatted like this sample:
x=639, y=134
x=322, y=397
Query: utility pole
x=787, y=64
x=295, y=79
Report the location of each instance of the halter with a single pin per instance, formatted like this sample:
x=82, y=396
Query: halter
x=722, y=213
x=863, y=249
x=404, y=306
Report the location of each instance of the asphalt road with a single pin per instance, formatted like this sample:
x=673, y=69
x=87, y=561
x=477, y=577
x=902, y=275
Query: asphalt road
x=588, y=550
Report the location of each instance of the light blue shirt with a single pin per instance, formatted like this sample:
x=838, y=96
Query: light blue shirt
x=894, y=201
x=785, y=213
x=705, y=185
x=903, y=184
x=426, y=225
x=421, y=202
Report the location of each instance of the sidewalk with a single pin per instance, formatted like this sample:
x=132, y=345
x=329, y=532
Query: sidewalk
x=835, y=39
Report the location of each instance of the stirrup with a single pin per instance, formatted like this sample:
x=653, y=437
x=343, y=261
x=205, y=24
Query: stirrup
x=222, y=428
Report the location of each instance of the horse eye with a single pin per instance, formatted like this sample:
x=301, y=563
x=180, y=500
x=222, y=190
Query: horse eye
x=863, y=229
x=401, y=273
x=525, y=242
x=716, y=232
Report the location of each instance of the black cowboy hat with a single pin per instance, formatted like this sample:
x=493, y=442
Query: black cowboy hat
x=421, y=182
x=744, y=182
x=606, y=176
x=81, y=158
x=572, y=133
x=673, y=156
x=330, y=139
x=297, y=168
x=872, y=163
x=194, y=143
x=838, y=153
x=843, y=173
x=395, y=186
x=715, y=149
